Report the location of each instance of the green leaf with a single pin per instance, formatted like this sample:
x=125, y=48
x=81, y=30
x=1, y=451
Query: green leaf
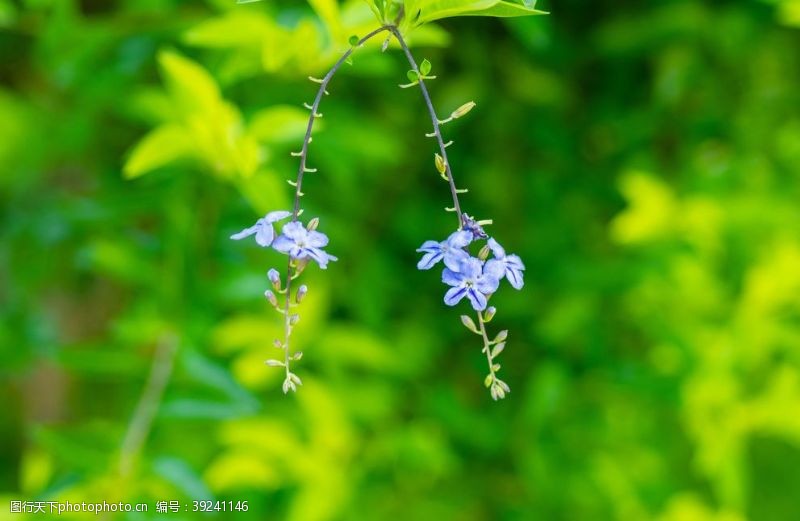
x=192, y=88
x=438, y=9
x=166, y=144
x=264, y=191
x=328, y=12
x=412, y=76
x=197, y=409
x=237, y=29
x=182, y=475
x=425, y=67
x=281, y=124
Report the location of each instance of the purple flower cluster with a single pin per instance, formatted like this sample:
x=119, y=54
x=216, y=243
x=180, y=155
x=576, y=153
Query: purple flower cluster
x=296, y=240
x=472, y=277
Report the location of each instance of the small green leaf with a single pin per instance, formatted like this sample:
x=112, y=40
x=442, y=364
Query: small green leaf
x=413, y=76
x=425, y=67
x=280, y=124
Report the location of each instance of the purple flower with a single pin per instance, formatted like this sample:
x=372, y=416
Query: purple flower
x=502, y=265
x=299, y=243
x=471, y=281
x=450, y=251
x=262, y=228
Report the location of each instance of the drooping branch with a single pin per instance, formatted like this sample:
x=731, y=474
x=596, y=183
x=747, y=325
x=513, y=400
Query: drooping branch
x=292, y=270
x=434, y=120
x=314, y=107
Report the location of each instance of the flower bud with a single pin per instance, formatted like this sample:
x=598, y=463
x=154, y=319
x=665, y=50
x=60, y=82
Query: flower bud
x=312, y=224
x=301, y=292
x=468, y=323
x=498, y=348
x=441, y=166
x=277, y=343
x=502, y=335
x=497, y=392
x=463, y=110
x=271, y=297
x=504, y=386
x=484, y=253
x=488, y=315
x=274, y=278
x=294, y=319
x=274, y=363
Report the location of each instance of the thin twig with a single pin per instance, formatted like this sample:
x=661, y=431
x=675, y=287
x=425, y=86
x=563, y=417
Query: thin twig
x=487, y=346
x=144, y=414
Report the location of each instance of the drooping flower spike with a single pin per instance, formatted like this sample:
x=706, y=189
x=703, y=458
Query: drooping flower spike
x=476, y=279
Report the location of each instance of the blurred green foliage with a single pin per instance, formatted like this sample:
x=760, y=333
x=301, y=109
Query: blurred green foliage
x=641, y=157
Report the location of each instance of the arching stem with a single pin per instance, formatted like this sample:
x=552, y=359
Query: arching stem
x=315, y=106
x=434, y=119
x=303, y=154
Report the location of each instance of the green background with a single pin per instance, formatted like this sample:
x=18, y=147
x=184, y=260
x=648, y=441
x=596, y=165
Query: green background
x=641, y=157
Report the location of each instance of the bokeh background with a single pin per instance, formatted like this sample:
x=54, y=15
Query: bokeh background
x=641, y=157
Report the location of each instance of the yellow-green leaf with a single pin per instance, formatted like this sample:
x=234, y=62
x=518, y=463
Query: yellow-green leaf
x=328, y=11
x=280, y=124
x=192, y=88
x=437, y=9
x=164, y=145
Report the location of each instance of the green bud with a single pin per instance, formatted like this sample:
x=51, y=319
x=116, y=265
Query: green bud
x=441, y=166
x=497, y=349
x=488, y=380
x=271, y=298
x=301, y=292
x=463, y=110
x=484, y=253
x=488, y=315
x=469, y=324
x=353, y=40
x=274, y=363
x=497, y=392
x=313, y=224
x=503, y=386
x=502, y=335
